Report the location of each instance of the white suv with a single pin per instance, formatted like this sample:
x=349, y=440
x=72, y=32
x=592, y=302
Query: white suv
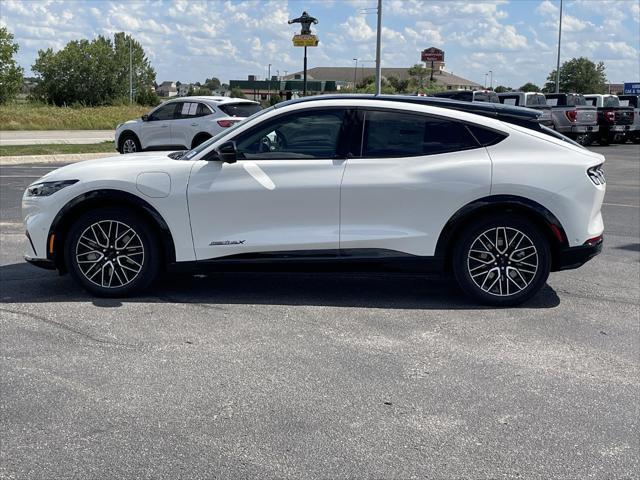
x=479, y=189
x=182, y=123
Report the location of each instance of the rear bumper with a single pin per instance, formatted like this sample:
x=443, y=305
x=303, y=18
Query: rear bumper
x=574, y=257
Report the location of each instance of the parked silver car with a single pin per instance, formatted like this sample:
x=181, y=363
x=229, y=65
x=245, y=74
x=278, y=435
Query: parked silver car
x=632, y=101
x=534, y=100
x=573, y=117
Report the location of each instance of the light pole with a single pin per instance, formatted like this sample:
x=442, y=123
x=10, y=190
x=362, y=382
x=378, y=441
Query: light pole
x=485, y=80
x=130, y=72
x=269, y=84
x=490, y=79
x=355, y=74
x=378, y=66
x=559, y=40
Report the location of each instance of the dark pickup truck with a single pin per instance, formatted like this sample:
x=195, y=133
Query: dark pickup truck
x=634, y=102
x=615, y=121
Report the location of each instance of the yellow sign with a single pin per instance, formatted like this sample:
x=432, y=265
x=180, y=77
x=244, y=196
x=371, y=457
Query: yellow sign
x=305, y=41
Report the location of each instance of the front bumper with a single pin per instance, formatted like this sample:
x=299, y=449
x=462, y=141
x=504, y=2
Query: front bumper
x=40, y=262
x=574, y=257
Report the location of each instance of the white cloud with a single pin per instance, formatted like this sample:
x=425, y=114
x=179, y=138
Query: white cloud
x=357, y=28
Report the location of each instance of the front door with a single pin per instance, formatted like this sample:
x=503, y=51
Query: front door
x=156, y=131
x=282, y=195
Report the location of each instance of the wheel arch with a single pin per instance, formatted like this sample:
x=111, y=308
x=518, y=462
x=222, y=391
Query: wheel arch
x=125, y=133
x=105, y=198
x=204, y=135
x=542, y=217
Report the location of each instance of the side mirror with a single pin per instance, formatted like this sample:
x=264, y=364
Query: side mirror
x=145, y=118
x=227, y=152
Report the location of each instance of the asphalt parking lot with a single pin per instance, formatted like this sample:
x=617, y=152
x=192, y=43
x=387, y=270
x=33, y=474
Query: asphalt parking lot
x=269, y=375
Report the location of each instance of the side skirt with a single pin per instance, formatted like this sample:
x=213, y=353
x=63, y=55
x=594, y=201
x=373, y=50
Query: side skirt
x=345, y=260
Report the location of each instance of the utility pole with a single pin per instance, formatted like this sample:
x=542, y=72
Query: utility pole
x=490, y=79
x=130, y=73
x=485, y=80
x=559, y=40
x=355, y=75
x=378, y=66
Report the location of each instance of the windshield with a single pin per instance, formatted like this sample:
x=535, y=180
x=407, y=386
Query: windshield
x=203, y=146
x=241, y=109
x=536, y=99
x=611, y=101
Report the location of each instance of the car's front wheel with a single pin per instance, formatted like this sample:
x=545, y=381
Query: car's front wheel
x=111, y=252
x=129, y=143
x=503, y=260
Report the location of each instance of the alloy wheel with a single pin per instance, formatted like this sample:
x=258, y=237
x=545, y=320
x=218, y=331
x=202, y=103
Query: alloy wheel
x=502, y=261
x=129, y=146
x=110, y=254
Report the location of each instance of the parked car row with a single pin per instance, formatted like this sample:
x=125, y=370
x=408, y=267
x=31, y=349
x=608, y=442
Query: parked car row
x=584, y=118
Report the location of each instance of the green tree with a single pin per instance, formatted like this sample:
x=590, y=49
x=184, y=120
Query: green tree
x=502, y=89
x=237, y=93
x=10, y=72
x=275, y=98
x=94, y=72
x=400, y=86
x=529, y=87
x=578, y=75
x=212, y=83
x=418, y=72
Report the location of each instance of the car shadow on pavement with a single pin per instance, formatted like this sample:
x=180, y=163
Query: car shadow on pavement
x=632, y=247
x=23, y=283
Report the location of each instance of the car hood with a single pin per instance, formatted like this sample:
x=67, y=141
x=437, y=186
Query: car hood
x=112, y=167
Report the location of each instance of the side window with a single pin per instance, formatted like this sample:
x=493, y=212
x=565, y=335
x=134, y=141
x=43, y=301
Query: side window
x=188, y=110
x=166, y=112
x=306, y=135
x=510, y=100
x=393, y=134
x=203, y=110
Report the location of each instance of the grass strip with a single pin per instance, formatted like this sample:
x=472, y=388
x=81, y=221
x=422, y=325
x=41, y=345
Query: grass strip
x=56, y=149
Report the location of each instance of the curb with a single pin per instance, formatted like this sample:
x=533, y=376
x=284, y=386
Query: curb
x=66, y=158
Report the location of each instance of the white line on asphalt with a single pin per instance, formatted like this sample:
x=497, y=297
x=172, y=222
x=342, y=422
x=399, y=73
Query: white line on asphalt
x=621, y=205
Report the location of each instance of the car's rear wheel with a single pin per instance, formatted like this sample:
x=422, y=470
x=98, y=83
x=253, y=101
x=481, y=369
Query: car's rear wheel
x=129, y=143
x=502, y=260
x=111, y=252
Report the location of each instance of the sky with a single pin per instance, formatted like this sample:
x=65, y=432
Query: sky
x=230, y=39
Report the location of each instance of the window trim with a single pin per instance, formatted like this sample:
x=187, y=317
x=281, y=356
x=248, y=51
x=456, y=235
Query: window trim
x=343, y=134
x=362, y=119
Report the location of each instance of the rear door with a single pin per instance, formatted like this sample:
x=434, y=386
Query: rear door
x=189, y=122
x=414, y=171
x=283, y=193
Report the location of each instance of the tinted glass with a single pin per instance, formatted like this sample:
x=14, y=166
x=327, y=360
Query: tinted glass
x=393, y=134
x=239, y=109
x=203, y=110
x=305, y=135
x=485, y=136
x=166, y=112
x=611, y=101
x=536, y=99
x=574, y=100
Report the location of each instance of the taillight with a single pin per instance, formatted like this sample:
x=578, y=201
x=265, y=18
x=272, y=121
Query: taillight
x=572, y=115
x=610, y=116
x=596, y=174
x=227, y=123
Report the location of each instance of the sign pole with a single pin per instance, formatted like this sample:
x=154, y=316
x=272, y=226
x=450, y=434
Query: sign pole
x=431, y=79
x=304, y=89
x=378, y=41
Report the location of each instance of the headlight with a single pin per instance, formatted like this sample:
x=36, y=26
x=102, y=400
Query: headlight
x=44, y=189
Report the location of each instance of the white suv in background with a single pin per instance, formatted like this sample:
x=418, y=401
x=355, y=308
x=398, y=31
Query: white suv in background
x=182, y=123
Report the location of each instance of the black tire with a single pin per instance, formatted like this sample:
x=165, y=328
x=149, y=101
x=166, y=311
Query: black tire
x=509, y=269
x=200, y=138
x=129, y=143
x=604, y=140
x=100, y=265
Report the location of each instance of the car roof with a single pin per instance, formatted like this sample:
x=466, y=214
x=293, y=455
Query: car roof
x=499, y=111
x=213, y=100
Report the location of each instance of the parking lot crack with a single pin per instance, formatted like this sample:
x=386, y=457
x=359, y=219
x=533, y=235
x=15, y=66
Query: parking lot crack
x=66, y=327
